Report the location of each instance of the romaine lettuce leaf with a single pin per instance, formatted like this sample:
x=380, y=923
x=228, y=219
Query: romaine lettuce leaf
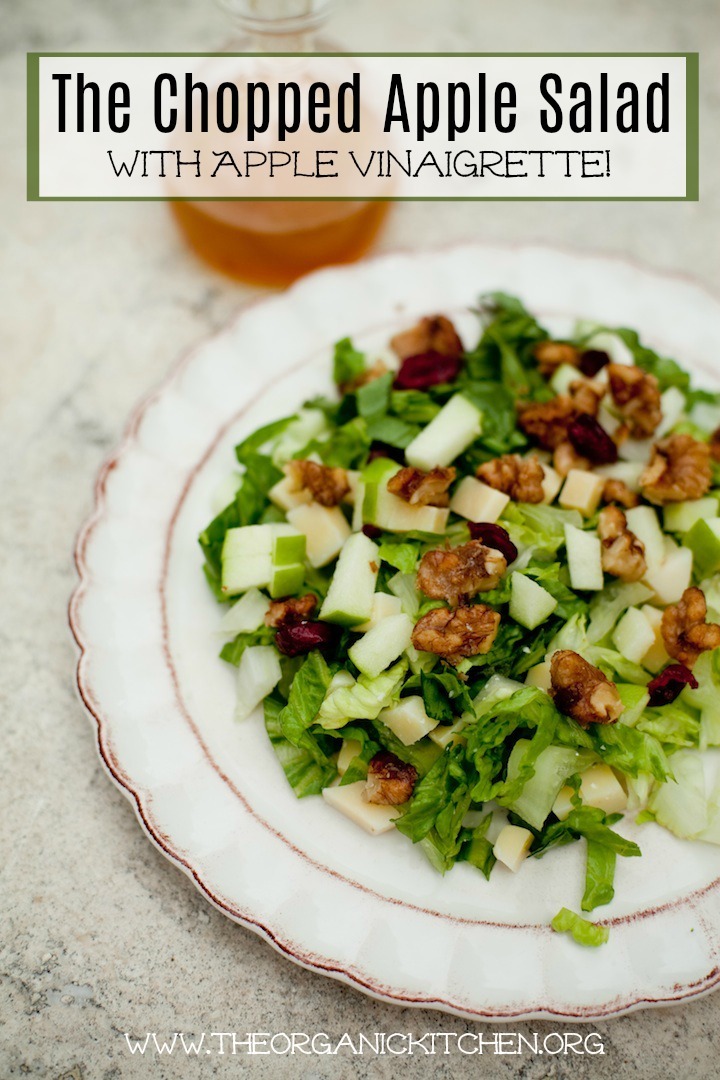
x=306, y=775
x=582, y=930
x=364, y=700
x=599, y=875
x=348, y=363
x=306, y=696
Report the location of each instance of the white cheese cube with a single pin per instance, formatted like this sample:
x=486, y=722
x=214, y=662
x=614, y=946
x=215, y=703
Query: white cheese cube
x=512, y=846
x=540, y=676
x=325, y=529
x=408, y=720
x=374, y=818
x=657, y=656
x=286, y=496
x=444, y=734
x=600, y=787
x=477, y=501
x=582, y=491
x=348, y=751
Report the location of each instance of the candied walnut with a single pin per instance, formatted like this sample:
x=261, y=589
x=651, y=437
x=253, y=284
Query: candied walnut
x=422, y=488
x=679, y=469
x=586, y=396
x=327, y=486
x=685, y=632
x=637, y=396
x=617, y=491
x=551, y=355
x=566, y=458
x=582, y=691
x=295, y=609
x=367, y=376
x=520, y=478
x=623, y=555
x=433, y=334
x=454, y=573
x=547, y=422
x=467, y=631
x=714, y=445
x=390, y=781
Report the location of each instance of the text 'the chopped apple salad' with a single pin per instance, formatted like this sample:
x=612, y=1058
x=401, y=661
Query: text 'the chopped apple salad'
x=478, y=593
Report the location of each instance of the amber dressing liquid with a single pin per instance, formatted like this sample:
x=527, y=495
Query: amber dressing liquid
x=274, y=243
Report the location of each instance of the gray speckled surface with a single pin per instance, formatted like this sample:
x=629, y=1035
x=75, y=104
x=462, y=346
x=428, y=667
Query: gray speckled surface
x=101, y=935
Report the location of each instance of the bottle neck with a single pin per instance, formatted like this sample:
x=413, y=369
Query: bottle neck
x=277, y=25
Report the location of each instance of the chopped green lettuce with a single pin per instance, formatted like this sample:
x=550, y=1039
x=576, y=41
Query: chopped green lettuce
x=582, y=930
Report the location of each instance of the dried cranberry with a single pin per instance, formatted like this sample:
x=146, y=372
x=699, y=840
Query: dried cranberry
x=372, y=531
x=666, y=686
x=426, y=369
x=592, y=441
x=494, y=536
x=381, y=449
x=294, y=639
x=592, y=361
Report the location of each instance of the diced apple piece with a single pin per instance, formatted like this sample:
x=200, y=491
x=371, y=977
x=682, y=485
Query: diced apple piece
x=633, y=635
x=584, y=553
x=376, y=650
x=380, y=507
x=643, y=521
x=672, y=404
x=512, y=846
x=657, y=656
x=325, y=529
x=564, y=376
x=582, y=491
x=552, y=482
x=599, y=787
x=357, y=514
x=259, y=672
x=614, y=346
x=383, y=605
x=607, y=420
x=530, y=604
x=286, y=496
x=703, y=539
x=348, y=752
x=350, y=598
x=353, y=479
x=408, y=720
x=681, y=516
x=246, y=615
x=670, y=580
x=629, y=472
x=636, y=450
x=374, y=818
x=245, y=572
x=539, y=676
x=454, y=428
x=477, y=501
x=286, y=580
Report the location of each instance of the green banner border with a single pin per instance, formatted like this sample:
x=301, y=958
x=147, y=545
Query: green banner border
x=692, y=134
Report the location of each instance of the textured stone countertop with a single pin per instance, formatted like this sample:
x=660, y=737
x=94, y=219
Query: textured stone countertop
x=101, y=935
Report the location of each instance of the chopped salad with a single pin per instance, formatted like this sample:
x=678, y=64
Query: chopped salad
x=477, y=593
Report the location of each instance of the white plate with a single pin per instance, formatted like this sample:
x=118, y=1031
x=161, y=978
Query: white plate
x=210, y=793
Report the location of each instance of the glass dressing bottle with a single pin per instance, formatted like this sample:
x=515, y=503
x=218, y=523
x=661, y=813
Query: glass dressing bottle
x=275, y=242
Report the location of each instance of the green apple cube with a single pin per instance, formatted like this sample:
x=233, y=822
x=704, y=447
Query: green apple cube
x=243, y=572
x=530, y=604
x=454, y=428
x=629, y=472
x=584, y=552
x=477, y=501
x=350, y=598
x=681, y=516
x=703, y=540
x=376, y=650
x=564, y=377
x=286, y=580
x=383, y=605
x=325, y=529
x=633, y=636
x=380, y=507
x=248, y=540
x=246, y=615
x=408, y=720
x=643, y=521
x=288, y=549
x=672, y=577
x=673, y=405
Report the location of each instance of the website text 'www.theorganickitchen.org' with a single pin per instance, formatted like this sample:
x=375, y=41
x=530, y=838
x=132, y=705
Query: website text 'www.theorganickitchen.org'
x=361, y=1044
